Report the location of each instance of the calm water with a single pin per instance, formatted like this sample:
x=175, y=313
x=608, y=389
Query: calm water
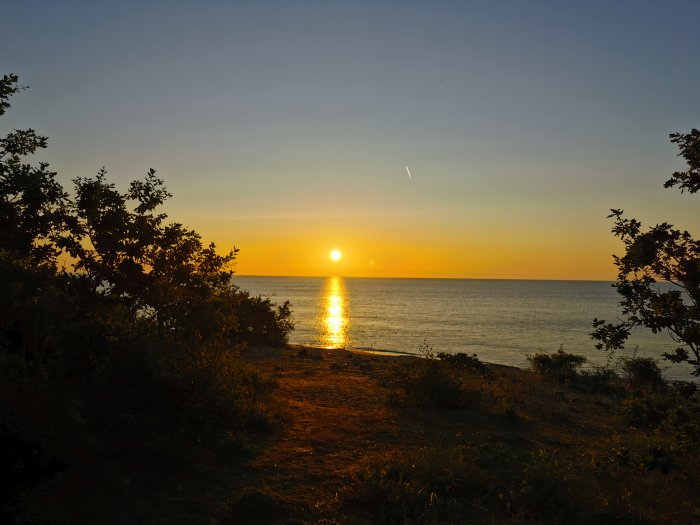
x=501, y=321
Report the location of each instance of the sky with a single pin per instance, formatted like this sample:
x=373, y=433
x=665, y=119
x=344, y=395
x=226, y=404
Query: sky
x=285, y=128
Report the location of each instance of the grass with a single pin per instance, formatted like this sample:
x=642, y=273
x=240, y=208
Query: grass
x=528, y=448
x=439, y=381
x=468, y=443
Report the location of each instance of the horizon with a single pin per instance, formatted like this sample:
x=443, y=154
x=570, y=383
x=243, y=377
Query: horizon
x=288, y=131
x=611, y=281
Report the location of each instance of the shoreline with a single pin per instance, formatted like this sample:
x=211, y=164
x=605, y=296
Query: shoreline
x=665, y=365
x=367, y=351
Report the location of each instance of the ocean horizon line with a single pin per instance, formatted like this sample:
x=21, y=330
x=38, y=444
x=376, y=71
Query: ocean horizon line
x=518, y=279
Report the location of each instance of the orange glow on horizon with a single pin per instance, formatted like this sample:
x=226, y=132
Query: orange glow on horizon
x=393, y=250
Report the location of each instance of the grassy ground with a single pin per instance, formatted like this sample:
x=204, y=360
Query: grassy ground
x=518, y=448
x=354, y=441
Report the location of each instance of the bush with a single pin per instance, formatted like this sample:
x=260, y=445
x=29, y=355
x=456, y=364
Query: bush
x=642, y=373
x=545, y=496
x=23, y=465
x=462, y=362
x=490, y=482
x=432, y=382
x=193, y=392
x=426, y=384
x=561, y=366
x=648, y=411
x=260, y=322
x=685, y=389
x=600, y=379
x=433, y=485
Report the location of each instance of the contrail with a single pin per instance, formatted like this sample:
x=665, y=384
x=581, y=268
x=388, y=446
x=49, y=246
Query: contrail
x=409, y=172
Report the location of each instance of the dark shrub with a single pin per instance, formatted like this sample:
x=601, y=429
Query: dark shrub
x=191, y=390
x=560, y=366
x=261, y=322
x=430, y=383
x=23, y=466
x=462, y=362
x=642, y=372
x=647, y=411
x=600, y=379
x=685, y=389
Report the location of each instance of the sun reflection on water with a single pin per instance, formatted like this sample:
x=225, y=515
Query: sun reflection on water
x=334, y=319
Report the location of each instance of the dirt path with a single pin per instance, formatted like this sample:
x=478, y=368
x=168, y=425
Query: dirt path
x=333, y=416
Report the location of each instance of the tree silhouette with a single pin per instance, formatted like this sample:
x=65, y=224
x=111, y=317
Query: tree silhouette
x=32, y=204
x=132, y=270
x=660, y=254
x=128, y=252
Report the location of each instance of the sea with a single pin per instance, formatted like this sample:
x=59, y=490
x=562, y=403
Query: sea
x=502, y=321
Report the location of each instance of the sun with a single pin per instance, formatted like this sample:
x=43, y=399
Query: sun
x=336, y=255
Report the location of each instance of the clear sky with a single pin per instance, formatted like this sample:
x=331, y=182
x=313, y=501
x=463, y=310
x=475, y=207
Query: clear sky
x=284, y=128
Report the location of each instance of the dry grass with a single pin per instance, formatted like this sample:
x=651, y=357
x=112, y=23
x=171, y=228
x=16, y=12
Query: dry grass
x=527, y=449
x=539, y=451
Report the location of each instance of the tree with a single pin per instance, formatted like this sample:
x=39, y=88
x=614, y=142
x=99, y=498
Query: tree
x=124, y=247
x=33, y=216
x=661, y=254
x=32, y=204
x=133, y=270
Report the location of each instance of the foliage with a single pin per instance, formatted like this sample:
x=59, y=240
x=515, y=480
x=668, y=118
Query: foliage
x=32, y=203
x=561, y=365
x=488, y=482
x=642, y=372
x=600, y=379
x=194, y=393
x=689, y=144
x=662, y=254
x=23, y=463
x=129, y=253
x=260, y=322
x=440, y=381
x=125, y=257
x=462, y=362
x=133, y=346
x=648, y=411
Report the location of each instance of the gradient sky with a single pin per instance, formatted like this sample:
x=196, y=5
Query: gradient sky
x=285, y=127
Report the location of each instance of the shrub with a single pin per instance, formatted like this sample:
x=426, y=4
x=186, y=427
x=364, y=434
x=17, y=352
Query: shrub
x=433, y=485
x=133, y=336
x=685, y=389
x=462, y=362
x=642, y=372
x=23, y=465
x=486, y=483
x=560, y=366
x=431, y=383
x=196, y=392
x=260, y=322
x=600, y=379
x=423, y=384
x=543, y=494
x=647, y=411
